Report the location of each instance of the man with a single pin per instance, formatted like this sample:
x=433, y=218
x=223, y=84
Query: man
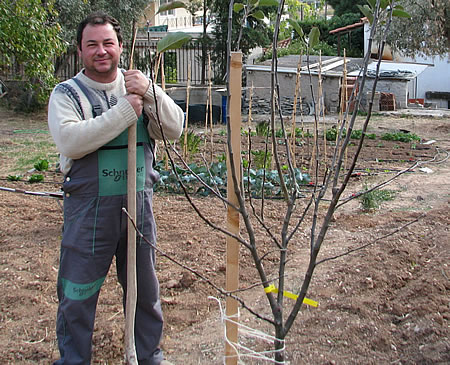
x=88, y=117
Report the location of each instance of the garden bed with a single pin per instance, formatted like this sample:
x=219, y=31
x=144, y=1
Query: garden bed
x=387, y=303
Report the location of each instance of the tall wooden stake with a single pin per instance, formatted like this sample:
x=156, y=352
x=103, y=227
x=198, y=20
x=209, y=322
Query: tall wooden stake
x=188, y=89
x=210, y=110
x=322, y=110
x=131, y=298
x=294, y=111
x=232, y=272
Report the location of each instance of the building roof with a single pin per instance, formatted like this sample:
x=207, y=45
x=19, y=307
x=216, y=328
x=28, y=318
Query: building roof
x=350, y=27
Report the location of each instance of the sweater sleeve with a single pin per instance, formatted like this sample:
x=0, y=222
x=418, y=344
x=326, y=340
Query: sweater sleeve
x=171, y=115
x=76, y=137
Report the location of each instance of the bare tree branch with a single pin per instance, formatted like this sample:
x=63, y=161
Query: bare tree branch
x=371, y=243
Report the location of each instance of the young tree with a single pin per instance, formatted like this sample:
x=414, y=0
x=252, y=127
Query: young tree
x=29, y=35
x=333, y=184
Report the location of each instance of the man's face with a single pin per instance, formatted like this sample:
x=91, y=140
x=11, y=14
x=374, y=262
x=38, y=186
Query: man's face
x=100, y=52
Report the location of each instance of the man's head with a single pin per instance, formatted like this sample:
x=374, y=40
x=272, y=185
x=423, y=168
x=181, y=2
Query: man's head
x=98, y=18
x=100, y=46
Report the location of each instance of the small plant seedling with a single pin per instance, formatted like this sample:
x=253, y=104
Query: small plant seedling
x=331, y=134
x=193, y=142
x=262, y=129
x=356, y=134
x=14, y=177
x=371, y=200
x=41, y=165
x=400, y=137
x=222, y=157
x=35, y=178
x=260, y=157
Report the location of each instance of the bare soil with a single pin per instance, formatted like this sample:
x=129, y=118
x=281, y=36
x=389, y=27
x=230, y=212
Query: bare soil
x=388, y=303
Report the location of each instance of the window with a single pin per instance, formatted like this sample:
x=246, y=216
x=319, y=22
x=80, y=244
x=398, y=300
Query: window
x=166, y=13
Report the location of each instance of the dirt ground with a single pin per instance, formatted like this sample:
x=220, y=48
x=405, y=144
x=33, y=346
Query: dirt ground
x=388, y=303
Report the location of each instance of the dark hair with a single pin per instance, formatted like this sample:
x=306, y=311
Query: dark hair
x=96, y=19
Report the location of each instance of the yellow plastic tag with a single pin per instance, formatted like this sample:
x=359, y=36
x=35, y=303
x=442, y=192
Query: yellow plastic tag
x=272, y=289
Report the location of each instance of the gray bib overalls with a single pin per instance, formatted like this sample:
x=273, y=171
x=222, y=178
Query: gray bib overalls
x=95, y=230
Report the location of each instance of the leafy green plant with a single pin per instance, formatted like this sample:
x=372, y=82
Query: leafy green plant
x=279, y=133
x=14, y=178
x=262, y=129
x=215, y=175
x=331, y=134
x=371, y=200
x=400, y=137
x=41, y=165
x=193, y=142
x=222, y=157
x=262, y=159
x=356, y=134
x=35, y=178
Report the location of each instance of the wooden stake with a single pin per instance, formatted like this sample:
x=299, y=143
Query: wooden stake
x=322, y=110
x=188, y=86
x=131, y=298
x=345, y=103
x=232, y=267
x=250, y=101
x=163, y=76
x=294, y=111
x=163, y=86
x=210, y=109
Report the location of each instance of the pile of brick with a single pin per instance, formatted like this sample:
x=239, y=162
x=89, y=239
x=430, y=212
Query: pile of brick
x=387, y=101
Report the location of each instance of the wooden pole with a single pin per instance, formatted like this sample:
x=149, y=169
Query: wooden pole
x=210, y=110
x=322, y=110
x=163, y=86
x=188, y=87
x=131, y=298
x=232, y=267
x=294, y=111
x=346, y=103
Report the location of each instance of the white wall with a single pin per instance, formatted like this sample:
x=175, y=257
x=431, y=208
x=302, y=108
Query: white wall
x=435, y=77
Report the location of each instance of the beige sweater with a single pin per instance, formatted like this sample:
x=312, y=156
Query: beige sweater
x=76, y=133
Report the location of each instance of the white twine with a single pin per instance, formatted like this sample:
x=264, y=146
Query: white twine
x=243, y=351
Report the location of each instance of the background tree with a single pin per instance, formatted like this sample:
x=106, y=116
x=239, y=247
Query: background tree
x=427, y=32
x=193, y=7
x=345, y=6
x=29, y=35
x=71, y=12
x=255, y=33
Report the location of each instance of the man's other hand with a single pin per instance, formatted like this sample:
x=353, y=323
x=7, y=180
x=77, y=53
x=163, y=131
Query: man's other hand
x=137, y=102
x=136, y=82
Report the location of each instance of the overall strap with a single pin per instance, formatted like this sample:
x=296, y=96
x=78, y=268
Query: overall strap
x=96, y=107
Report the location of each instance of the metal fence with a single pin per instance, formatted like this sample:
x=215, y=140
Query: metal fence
x=176, y=63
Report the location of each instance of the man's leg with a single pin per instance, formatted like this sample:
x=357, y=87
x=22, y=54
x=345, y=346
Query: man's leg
x=77, y=304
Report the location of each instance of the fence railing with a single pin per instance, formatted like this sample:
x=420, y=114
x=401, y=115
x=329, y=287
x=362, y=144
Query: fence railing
x=176, y=63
